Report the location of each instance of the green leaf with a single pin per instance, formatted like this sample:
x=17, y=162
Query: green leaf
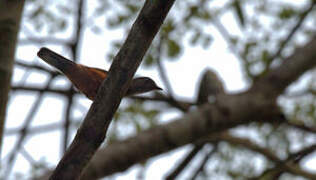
x=132, y=8
x=173, y=48
x=149, y=60
x=265, y=56
x=194, y=10
x=168, y=27
x=286, y=13
x=205, y=15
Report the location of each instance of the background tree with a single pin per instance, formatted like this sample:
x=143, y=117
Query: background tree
x=261, y=34
x=10, y=13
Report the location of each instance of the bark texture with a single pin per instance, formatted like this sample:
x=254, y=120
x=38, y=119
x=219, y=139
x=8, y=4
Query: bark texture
x=10, y=17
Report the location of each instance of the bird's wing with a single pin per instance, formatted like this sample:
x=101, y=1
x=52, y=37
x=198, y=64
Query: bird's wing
x=86, y=79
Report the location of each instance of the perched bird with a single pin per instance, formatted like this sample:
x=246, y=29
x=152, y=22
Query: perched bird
x=87, y=79
x=210, y=85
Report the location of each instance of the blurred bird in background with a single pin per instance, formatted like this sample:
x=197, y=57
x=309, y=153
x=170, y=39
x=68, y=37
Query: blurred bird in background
x=210, y=85
x=87, y=79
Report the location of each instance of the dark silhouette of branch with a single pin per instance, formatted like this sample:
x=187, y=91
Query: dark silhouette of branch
x=277, y=79
x=181, y=105
x=161, y=69
x=286, y=166
x=294, y=158
x=34, y=66
x=180, y=167
x=204, y=161
x=40, y=89
x=173, y=102
x=298, y=156
x=34, y=130
x=300, y=126
x=94, y=127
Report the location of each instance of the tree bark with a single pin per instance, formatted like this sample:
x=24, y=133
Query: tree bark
x=10, y=17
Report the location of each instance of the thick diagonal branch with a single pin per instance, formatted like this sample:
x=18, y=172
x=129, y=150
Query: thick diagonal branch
x=231, y=111
x=93, y=130
x=279, y=78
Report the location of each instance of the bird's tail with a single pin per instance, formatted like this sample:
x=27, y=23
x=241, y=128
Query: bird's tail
x=55, y=60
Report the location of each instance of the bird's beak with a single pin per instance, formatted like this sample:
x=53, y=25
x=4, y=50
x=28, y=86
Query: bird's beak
x=158, y=88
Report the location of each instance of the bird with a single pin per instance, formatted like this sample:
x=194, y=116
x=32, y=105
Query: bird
x=210, y=85
x=88, y=79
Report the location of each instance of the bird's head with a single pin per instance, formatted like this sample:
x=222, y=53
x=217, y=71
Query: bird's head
x=142, y=85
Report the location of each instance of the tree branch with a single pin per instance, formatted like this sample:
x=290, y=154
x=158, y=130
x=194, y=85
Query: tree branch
x=303, y=16
x=40, y=89
x=193, y=126
x=286, y=166
x=10, y=18
x=276, y=80
x=93, y=130
x=34, y=66
x=179, y=104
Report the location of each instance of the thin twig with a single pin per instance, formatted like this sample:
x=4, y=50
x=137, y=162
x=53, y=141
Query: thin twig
x=173, y=175
x=40, y=89
x=161, y=69
x=164, y=77
x=286, y=166
x=301, y=126
x=28, y=156
x=34, y=130
x=203, y=163
x=295, y=158
x=34, y=66
x=181, y=105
